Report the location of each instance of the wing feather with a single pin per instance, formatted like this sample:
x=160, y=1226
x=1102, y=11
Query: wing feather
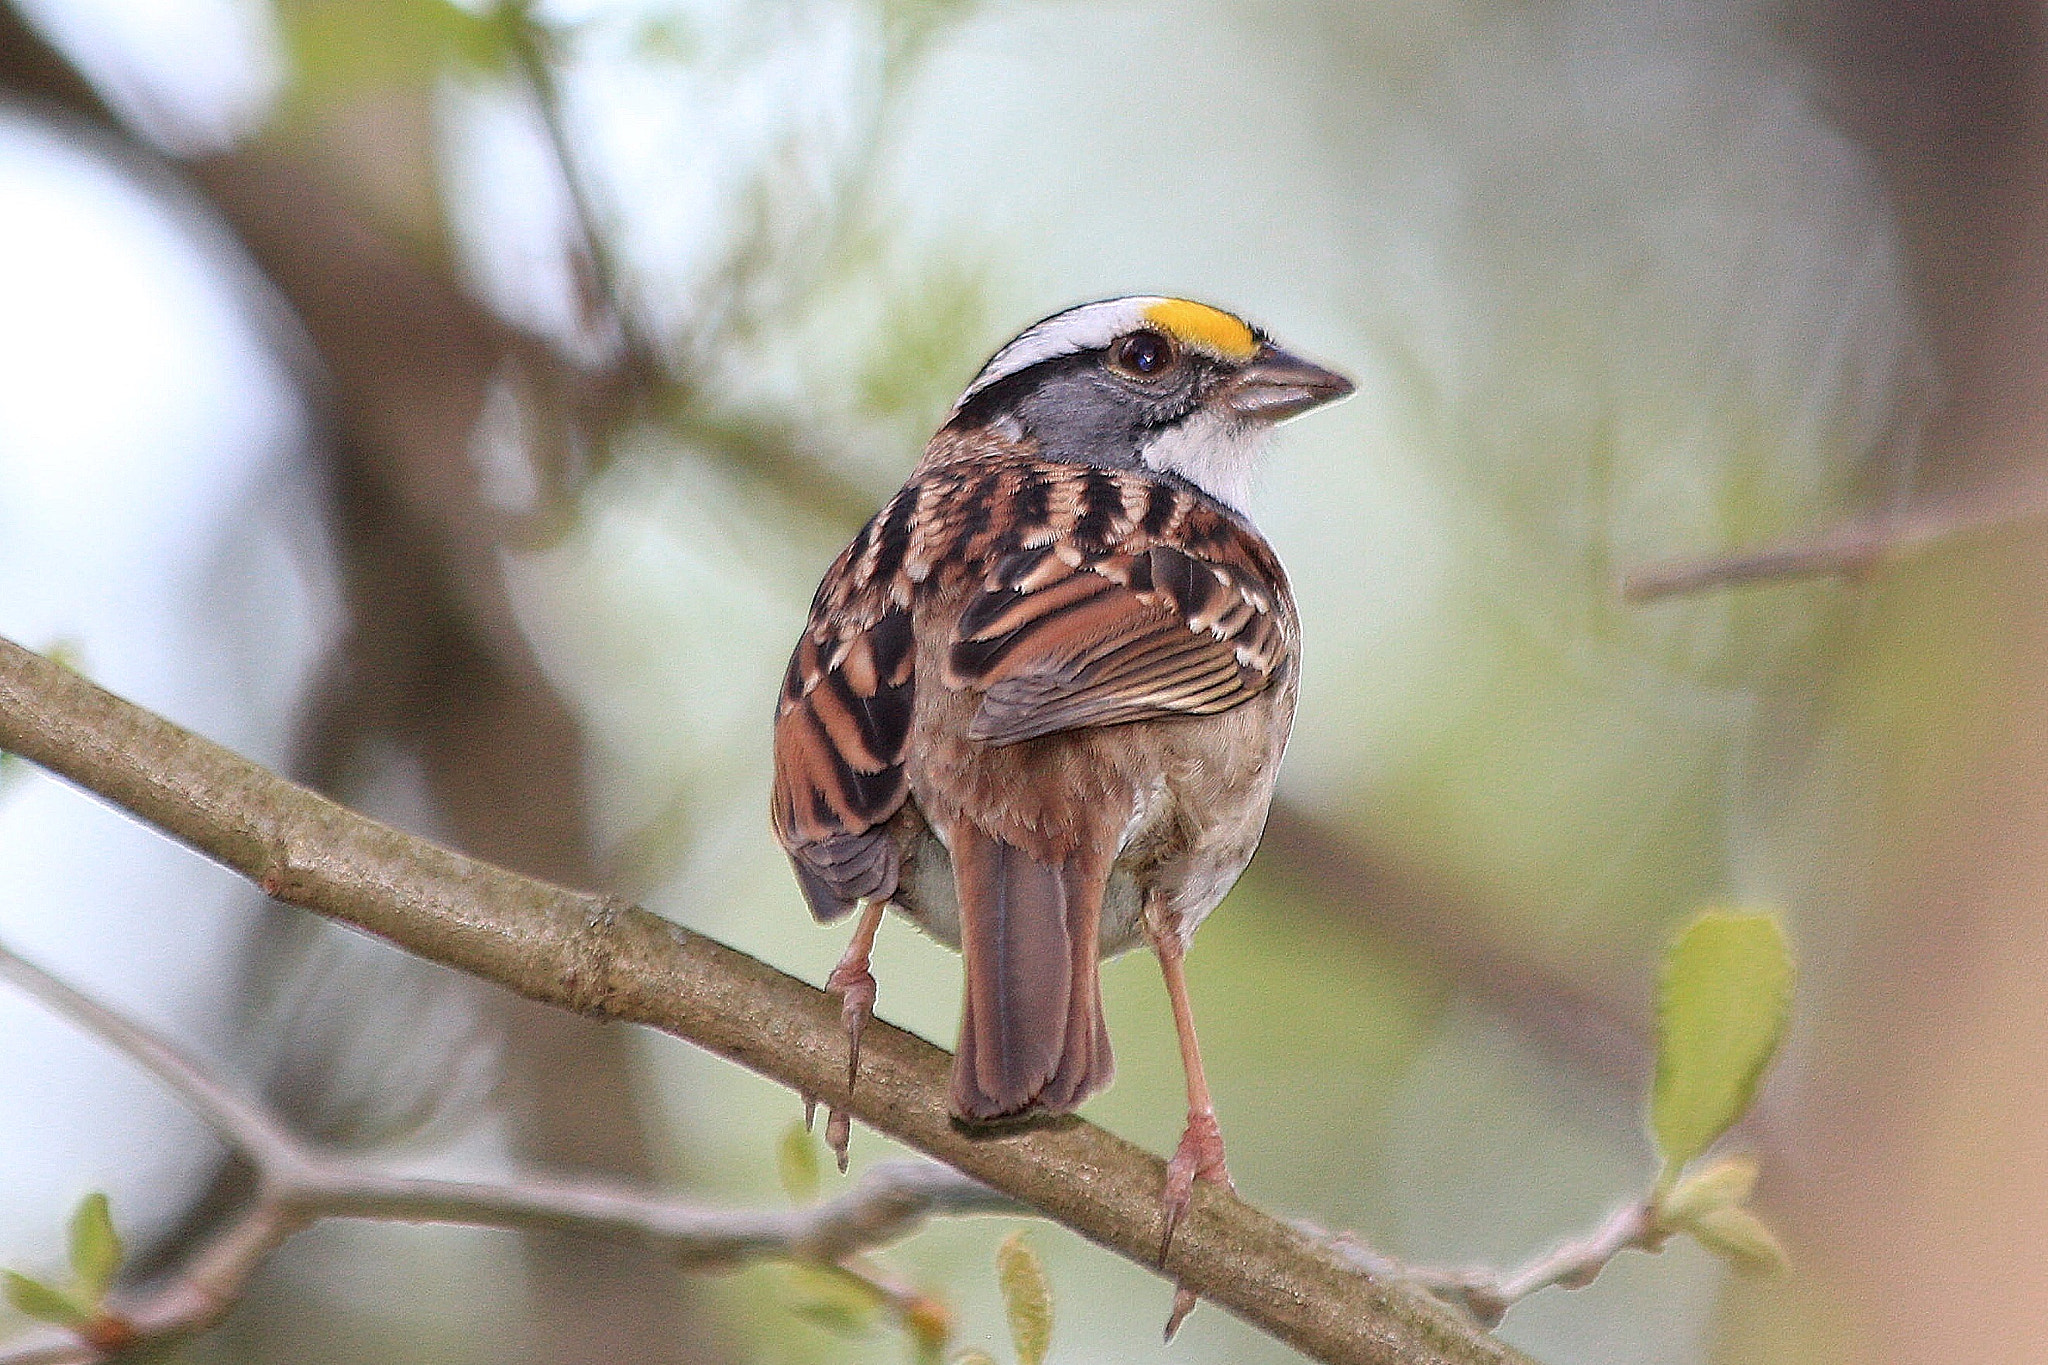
x=1092, y=598
x=842, y=725
x=1068, y=636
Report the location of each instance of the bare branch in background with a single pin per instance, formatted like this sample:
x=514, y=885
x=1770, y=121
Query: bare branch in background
x=598, y=956
x=1488, y=1294
x=606, y=313
x=1853, y=548
x=298, y=1185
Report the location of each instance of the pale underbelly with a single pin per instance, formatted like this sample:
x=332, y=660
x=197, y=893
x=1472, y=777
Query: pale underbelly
x=926, y=894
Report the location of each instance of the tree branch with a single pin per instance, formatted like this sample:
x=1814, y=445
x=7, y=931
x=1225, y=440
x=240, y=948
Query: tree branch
x=241, y=1122
x=299, y=1184
x=599, y=956
x=1488, y=1294
x=1852, y=548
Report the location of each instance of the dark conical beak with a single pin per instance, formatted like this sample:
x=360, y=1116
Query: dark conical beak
x=1275, y=386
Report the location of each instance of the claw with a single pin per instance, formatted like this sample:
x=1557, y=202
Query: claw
x=838, y=1135
x=810, y=1112
x=1179, y=1195
x=1199, y=1157
x=1200, y=1154
x=1183, y=1304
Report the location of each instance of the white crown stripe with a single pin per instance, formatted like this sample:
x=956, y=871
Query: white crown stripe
x=1084, y=328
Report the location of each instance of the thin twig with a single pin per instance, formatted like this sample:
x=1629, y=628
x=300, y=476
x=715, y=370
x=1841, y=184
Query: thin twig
x=298, y=1184
x=599, y=956
x=243, y=1124
x=888, y=1203
x=1488, y=1294
x=1852, y=548
x=599, y=274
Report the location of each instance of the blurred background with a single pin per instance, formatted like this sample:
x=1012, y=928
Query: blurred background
x=454, y=403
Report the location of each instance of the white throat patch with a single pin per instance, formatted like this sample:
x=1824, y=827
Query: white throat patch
x=1215, y=453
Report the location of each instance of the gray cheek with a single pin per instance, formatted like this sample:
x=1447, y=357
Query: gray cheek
x=1075, y=422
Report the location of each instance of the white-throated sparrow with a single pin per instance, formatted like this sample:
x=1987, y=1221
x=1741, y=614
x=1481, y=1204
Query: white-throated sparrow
x=1041, y=699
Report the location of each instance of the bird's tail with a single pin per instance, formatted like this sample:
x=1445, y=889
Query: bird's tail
x=1032, y=1036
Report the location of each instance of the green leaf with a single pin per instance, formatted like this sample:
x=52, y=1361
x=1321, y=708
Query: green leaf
x=1026, y=1297
x=1726, y=1183
x=44, y=1304
x=1722, y=1007
x=95, y=1247
x=1741, y=1236
x=796, y=1161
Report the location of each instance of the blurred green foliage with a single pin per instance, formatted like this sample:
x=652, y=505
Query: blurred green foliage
x=841, y=1304
x=96, y=1251
x=45, y=1303
x=1724, y=1000
x=340, y=49
x=96, y=1255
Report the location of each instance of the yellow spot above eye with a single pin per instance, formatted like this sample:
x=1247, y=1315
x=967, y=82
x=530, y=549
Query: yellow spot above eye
x=1205, y=328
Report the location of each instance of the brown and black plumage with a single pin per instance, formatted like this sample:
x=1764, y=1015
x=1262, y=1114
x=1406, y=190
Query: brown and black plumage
x=1040, y=701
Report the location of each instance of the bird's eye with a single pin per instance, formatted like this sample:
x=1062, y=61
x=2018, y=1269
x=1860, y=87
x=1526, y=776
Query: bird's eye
x=1143, y=354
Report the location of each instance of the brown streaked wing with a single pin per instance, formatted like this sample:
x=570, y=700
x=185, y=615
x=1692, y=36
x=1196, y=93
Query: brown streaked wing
x=1062, y=638
x=841, y=726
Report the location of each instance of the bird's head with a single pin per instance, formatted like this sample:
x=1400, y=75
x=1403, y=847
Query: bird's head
x=1169, y=385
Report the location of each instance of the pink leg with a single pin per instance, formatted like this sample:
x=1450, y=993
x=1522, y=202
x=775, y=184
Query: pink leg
x=1200, y=1154
x=854, y=984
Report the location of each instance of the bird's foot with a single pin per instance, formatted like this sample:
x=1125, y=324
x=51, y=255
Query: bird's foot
x=854, y=984
x=1199, y=1157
